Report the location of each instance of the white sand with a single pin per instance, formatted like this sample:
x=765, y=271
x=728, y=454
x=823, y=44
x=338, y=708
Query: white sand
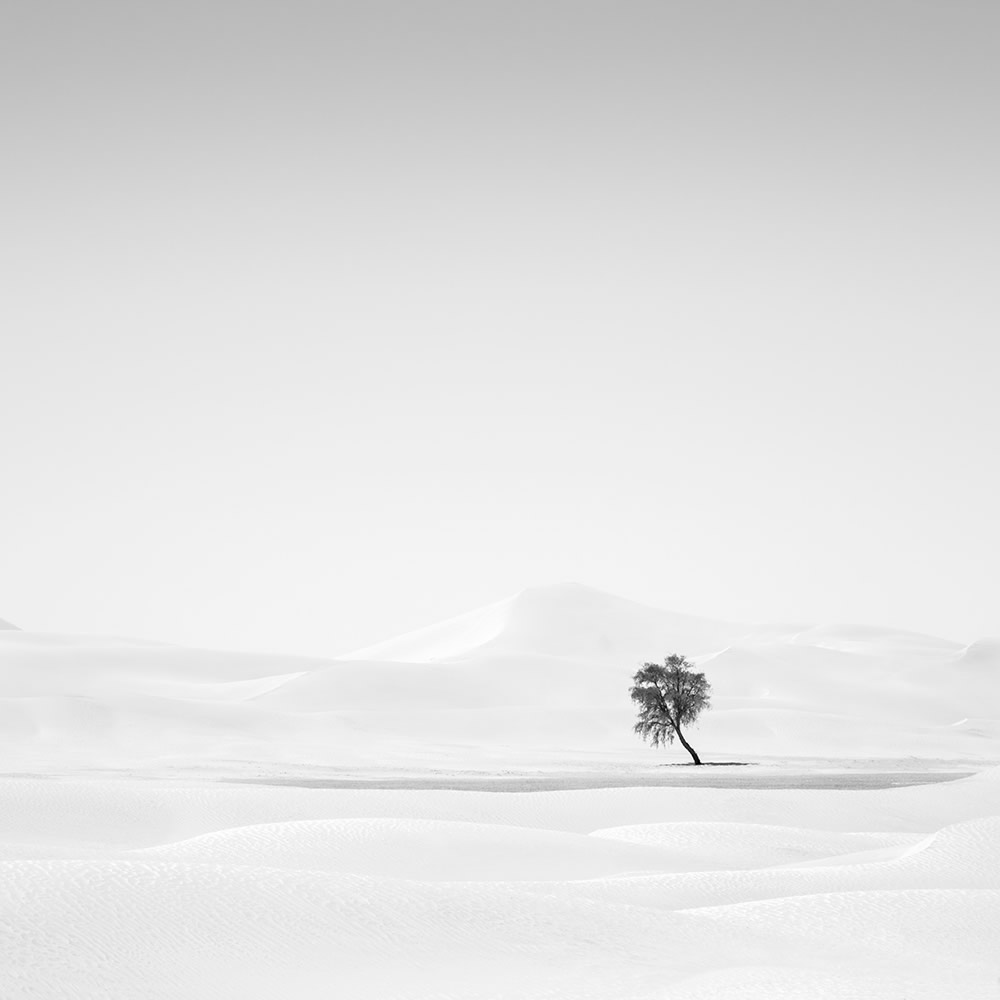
x=128, y=870
x=147, y=889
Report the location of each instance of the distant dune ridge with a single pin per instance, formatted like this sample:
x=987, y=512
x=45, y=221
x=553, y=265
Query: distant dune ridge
x=545, y=671
x=562, y=620
x=6, y=625
x=984, y=653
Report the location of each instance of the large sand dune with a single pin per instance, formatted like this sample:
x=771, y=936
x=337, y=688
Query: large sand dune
x=544, y=672
x=149, y=849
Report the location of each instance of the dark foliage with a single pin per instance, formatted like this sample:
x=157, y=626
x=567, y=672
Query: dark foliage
x=669, y=695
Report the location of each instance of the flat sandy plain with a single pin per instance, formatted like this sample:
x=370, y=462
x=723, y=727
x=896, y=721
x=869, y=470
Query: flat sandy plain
x=837, y=775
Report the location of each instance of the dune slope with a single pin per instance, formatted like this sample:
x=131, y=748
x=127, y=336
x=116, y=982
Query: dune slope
x=546, y=671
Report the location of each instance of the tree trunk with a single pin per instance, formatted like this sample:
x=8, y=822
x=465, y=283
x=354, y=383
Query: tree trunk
x=687, y=746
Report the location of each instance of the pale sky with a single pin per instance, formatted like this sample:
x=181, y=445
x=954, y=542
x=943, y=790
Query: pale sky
x=323, y=321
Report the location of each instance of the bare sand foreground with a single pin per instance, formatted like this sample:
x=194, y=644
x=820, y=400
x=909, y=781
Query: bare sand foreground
x=193, y=888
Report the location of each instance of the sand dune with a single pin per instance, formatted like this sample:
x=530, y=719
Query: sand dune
x=545, y=671
x=425, y=850
x=964, y=861
x=563, y=620
x=982, y=655
x=170, y=930
x=130, y=868
x=400, y=905
x=728, y=846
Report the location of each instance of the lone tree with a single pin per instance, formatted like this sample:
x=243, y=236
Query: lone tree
x=668, y=697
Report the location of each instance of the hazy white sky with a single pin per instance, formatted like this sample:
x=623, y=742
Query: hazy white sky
x=322, y=321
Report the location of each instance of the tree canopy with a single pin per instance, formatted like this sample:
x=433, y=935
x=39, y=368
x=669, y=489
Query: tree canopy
x=669, y=695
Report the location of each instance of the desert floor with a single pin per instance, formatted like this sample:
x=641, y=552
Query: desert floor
x=465, y=812
x=809, y=878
